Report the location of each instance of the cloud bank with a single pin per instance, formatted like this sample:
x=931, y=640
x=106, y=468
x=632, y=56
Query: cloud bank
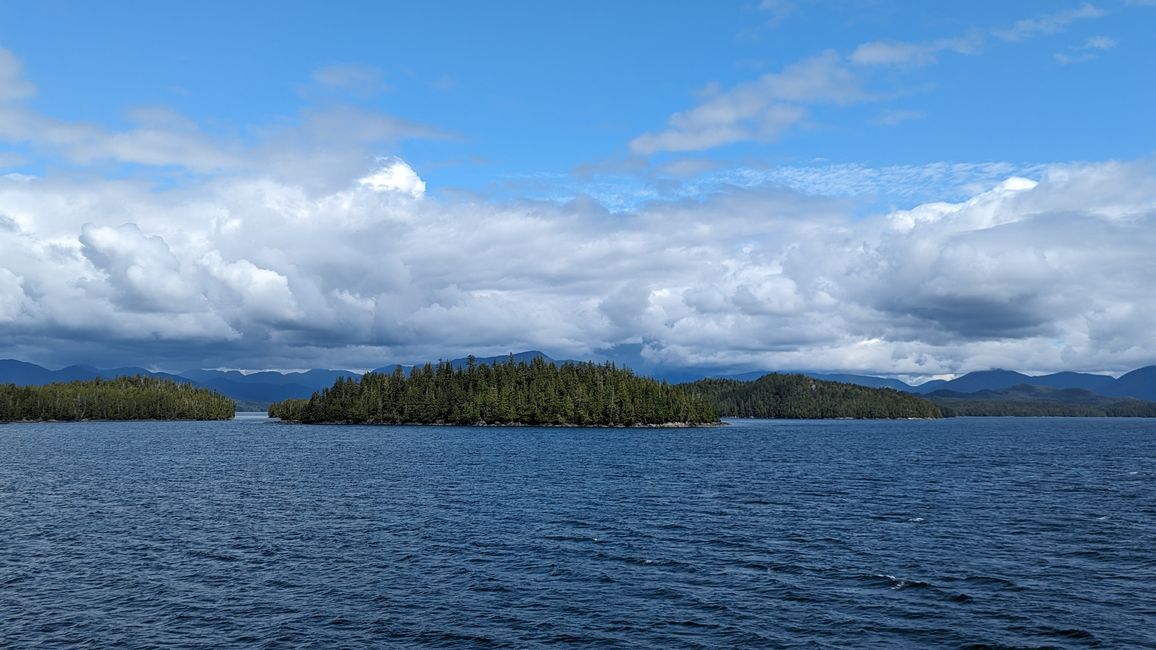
x=298, y=247
x=253, y=272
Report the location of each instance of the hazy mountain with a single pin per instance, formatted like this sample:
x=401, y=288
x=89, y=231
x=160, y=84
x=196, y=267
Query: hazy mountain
x=1028, y=400
x=262, y=388
x=23, y=374
x=1140, y=384
x=858, y=380
x=1101, y=384
x=523, y=357
x=29, y=374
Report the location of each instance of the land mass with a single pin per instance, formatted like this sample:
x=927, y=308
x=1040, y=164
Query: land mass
x=583, y=394
x=1040, y=401
x=503, y=393
x=123, y=398
x=802, y=397
x=257, y=390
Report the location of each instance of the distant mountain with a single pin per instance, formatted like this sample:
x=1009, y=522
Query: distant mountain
x=30, y=374
x=521, y=357
x=1028, y=400
x=867, y=381
x=24, y=374
x=317, y=379
x=863, y=380
x=976, y=381
x=1101, y=384
x=1140, y=384
x=927, y=386
x=261, y=388
x=1003, y=379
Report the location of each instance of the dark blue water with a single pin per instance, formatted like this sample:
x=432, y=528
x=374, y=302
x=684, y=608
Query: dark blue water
x=997, y=532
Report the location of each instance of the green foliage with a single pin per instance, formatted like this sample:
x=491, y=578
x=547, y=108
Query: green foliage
x=1130, y=408
x=123, y=398
x=801, y=397
x=537, y=393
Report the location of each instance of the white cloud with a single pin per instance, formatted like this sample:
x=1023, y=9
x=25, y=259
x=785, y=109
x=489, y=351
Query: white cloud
x=764, y=109
x=395, y=176
x=264, y=295
x=1047, y=23
x=319, y=150
x=11, y=295
x=1100, y=43
x=13, y=86
x=1091, y=49
x=303, y=253
x=900, y=53
x=359, y=79
x=895, y=116
x=142, y=271
x=757, y=110
x=1035, y=274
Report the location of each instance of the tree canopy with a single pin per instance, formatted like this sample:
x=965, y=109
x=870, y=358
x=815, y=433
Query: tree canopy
x=123, y=398
x=508, y=392
x=802, y=397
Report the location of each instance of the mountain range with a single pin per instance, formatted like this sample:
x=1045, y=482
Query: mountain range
x=257, y=390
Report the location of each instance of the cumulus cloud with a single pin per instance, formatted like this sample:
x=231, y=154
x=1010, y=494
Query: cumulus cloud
x=310, y=251
x=1038, y=274
x=11, y=295
x=394, y=175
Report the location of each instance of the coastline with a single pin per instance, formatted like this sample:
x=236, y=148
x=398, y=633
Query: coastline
x=664, y=425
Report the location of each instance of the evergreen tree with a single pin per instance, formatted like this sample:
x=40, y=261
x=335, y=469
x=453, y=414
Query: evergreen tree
x=509, y=392
x=123, y=398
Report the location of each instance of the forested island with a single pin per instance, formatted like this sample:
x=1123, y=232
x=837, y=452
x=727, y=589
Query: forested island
x=123, y=398
x=801, y=397
x=505, y=393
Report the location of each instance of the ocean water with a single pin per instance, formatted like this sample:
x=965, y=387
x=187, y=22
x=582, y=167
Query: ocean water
x=252, y=534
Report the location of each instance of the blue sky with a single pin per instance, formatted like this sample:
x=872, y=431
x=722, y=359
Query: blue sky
x=178, y=134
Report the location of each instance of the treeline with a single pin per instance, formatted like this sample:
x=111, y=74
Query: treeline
x=509, y=392
x=801, y=397
x=123, y=398
x=1040, y=408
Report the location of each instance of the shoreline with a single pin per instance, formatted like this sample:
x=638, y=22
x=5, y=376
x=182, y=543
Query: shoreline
x=665, y=425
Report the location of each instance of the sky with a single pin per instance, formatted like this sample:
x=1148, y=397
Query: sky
x=895, y=188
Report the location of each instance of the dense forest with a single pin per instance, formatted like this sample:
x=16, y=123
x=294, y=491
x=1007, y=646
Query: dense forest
x=798, y=396
x=1039, y=401
x=123, y=398
x=508, y=392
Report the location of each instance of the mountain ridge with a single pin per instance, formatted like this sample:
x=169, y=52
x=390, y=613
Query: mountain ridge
x=262, y=388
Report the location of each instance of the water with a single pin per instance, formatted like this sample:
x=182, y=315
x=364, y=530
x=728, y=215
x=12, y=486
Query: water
x=996, y=532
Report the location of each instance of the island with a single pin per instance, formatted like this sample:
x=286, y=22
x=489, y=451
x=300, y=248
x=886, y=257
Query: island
x=792, y=396
x=508, y=392
x=124, y=398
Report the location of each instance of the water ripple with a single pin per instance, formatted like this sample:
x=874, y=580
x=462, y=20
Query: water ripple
x=983, y=533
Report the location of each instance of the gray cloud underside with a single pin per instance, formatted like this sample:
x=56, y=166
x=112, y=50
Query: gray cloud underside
x=249, y=271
